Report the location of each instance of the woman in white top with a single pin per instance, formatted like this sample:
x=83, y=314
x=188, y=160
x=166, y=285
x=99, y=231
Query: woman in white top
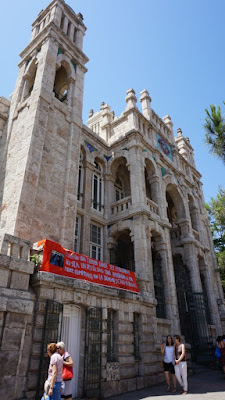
x=168, y=351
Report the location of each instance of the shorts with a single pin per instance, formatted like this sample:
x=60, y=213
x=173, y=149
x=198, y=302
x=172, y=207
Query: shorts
x=169, y=367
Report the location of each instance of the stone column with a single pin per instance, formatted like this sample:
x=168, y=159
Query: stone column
x=110, y=194
x=211, y=295
x=142, y=253
x=71, y=32
x=137, y=177
x=89, y=169
x=191, y=260
x=170, y=284
x=65, y=25
x=154, y=183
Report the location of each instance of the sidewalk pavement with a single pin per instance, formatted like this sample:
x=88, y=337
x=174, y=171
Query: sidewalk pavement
x=209, y=385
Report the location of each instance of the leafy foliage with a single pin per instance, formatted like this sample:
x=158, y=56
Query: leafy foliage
x=36, y=260
x=216, y=213
x=215, y=131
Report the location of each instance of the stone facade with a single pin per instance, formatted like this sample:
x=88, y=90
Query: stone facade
x=120, y=189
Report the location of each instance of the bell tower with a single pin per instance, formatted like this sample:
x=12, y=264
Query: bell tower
x=44, y=130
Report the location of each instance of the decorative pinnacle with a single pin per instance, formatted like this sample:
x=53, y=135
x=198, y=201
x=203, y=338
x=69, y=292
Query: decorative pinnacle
x=131, y=99
x=145, y=95
x=80, y=16
x=179, y=132
x=91, y=112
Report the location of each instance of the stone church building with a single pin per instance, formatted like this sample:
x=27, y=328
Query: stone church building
x=120, y=189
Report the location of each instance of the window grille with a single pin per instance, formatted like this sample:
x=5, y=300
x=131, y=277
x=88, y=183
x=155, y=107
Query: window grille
x=136, y=334
x=159, y=286
x=111, y=356
x=206, y=301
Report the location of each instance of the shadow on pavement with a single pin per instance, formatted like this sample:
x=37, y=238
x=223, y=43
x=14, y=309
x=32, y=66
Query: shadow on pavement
x=209, y=385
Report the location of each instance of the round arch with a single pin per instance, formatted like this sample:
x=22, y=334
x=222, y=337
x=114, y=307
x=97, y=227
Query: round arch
x=64, y=61
x=173, y=193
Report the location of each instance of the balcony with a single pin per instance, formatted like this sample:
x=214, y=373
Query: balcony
x=121, y=207
x=153, y=207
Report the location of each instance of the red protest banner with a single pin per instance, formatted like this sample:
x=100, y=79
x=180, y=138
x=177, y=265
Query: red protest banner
x=60, y=261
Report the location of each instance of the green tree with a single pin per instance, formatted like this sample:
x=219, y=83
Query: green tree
x=216, y=213
x=215, y=131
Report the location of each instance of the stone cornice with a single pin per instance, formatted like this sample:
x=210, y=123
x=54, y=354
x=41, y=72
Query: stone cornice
x=45, y=279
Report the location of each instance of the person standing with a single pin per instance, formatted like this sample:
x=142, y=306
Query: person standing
x=54, y=372
x=181, y=364
x=221, y=346
x=168, y=362
x=67, y=362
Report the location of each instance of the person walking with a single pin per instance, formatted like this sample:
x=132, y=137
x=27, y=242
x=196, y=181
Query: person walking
x=67, y=369
x=54, y=372
x=181, y=364
x=168, y=362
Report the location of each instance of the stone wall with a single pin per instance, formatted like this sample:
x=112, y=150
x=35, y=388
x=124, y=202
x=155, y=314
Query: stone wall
x=16, y=316
x=132, y=374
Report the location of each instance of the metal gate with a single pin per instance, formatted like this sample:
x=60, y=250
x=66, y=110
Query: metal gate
x=183, y=287
x=51, y=334
x=193, y=314
x=93, y=353
x=158, y=285
x=201, y=336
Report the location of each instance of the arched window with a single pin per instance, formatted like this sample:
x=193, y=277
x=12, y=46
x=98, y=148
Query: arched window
x=119, y=189
x=61, y=85
x=80, y=178
x=97, y=188
x=29, y=81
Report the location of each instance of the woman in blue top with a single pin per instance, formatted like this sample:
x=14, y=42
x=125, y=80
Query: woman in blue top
x=169, y=361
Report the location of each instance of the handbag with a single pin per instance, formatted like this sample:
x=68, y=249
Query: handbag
x=67, y=372
x=161, y=364
x=46, y=386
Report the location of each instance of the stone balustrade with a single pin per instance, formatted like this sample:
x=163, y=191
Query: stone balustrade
x=152, y=206
x=121, y=206
x=15, y=247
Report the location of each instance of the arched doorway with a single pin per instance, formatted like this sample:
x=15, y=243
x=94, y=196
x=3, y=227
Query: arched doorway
x=122, y=253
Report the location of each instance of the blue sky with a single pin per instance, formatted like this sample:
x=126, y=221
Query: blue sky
x=172, y=48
